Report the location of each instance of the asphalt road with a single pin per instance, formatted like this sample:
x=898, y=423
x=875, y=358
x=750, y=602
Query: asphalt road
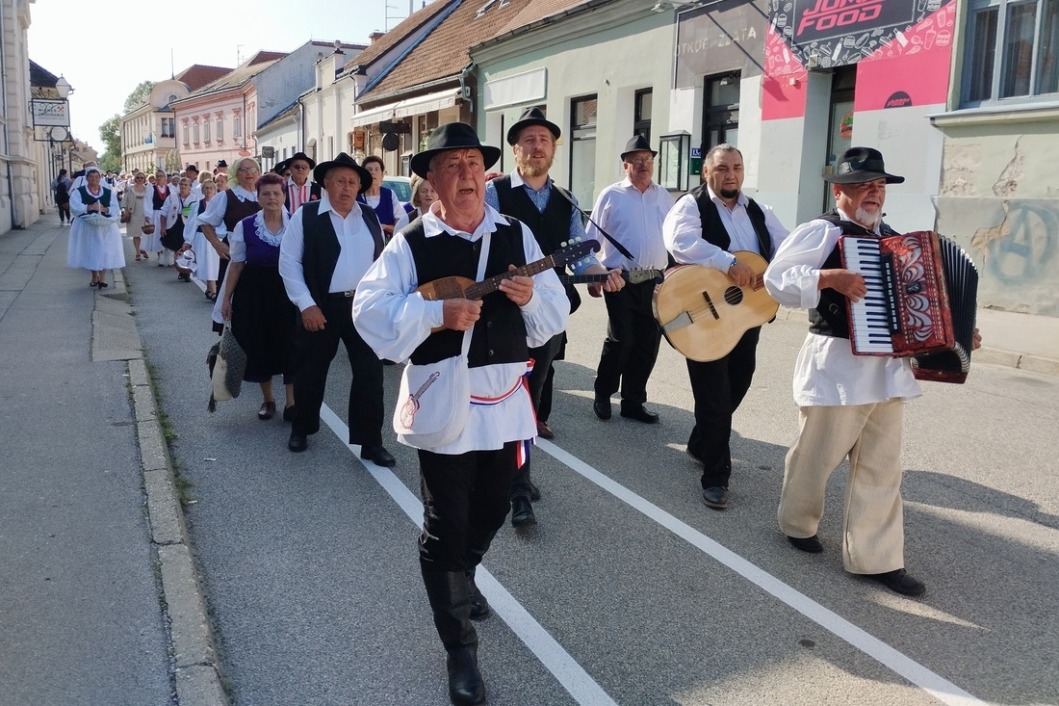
x=628, y=591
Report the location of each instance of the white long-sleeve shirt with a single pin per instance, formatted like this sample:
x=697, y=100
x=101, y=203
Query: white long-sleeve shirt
x=635, y=220
x=356, y=249
x=682, y=232
x=826, y=372
x=394, y=320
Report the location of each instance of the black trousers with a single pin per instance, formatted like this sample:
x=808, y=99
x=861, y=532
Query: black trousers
x=631, y=346
x=465, y=501
x=313, y=353
x=719, y=386
x=542, y=363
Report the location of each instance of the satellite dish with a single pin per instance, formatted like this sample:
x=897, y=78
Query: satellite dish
x=390, y=142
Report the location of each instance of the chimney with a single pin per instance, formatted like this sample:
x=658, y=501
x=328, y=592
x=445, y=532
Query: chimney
x=375, y=35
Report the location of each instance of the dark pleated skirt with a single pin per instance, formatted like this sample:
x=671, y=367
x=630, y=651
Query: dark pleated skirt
x=263, y=321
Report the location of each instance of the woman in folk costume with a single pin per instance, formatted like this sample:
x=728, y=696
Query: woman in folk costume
x=134, y=201
x=95, y=237
x=379, y=198
x=207, y=261
x=176, y=211
x=423, y=195
x=255, y=301
x=153, y=208
x=226, y=209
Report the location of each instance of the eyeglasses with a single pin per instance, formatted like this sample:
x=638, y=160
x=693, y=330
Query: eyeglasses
x=641, y=161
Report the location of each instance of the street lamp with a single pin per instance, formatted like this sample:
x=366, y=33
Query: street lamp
x=63, y=87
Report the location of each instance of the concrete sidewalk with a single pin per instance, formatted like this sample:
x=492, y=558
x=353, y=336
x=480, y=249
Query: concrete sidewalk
x=99, y=602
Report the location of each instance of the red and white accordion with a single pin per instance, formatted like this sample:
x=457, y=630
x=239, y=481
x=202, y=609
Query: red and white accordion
x=921, y=301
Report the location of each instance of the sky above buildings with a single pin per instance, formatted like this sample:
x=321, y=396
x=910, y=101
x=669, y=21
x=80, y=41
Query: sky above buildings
x=106, y=50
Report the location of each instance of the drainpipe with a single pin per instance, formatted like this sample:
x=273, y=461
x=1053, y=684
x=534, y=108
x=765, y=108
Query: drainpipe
x=7, y=134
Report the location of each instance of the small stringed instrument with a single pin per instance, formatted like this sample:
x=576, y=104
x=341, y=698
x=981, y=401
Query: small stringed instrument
x=456, y=287
x=637, y=276
x=703, y=313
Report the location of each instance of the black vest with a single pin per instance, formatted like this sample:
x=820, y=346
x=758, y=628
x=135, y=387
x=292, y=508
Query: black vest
x=322, y=248
x=830, y=318
x=158, y=200
x=551, y=228
x=500, y=334
x=713, y=230
x=88, y=199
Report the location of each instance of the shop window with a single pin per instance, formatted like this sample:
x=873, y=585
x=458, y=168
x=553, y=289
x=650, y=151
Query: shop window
x=1011, y=52
x=720, y=114
x=583, y=148
x=641, y=124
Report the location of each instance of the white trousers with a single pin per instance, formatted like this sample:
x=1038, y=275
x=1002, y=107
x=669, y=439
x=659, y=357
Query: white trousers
x=870, y=435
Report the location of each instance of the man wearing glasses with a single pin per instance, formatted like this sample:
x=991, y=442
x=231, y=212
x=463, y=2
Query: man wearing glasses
x=300, y=190
x=630, y=212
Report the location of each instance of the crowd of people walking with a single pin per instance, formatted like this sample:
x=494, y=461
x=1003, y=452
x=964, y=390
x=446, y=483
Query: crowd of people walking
x=298, y=265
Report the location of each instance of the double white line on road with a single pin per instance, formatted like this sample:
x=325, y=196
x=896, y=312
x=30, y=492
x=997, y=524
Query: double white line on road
x=572, y=676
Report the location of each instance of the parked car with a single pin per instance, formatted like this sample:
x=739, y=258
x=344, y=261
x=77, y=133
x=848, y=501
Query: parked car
x=399, y=185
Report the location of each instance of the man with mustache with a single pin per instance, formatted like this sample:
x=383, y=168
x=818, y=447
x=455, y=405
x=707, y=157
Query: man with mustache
x=531, y=196
x=849, y=406
x=705, y=228
x=631, y=212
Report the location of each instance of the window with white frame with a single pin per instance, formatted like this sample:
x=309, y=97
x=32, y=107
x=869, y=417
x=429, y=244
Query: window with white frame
x=583, y=112
x=187, y=135
x=237, y=127
x=206, y=131
x=220, y=130
x=1011, y=51
x=195, y=133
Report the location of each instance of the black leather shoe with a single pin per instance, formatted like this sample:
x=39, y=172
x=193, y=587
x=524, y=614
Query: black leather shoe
x=522, y=513
x=535, y=492
x=640, y=414
x=377, y=455
x=267, y=411
x=602, y=407
x=899, y=581
x=466, y=687
x=807, y=544
x=297, y=442
x=716, y=497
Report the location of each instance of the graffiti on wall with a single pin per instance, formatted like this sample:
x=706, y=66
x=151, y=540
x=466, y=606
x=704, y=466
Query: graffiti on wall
x=1021, y=250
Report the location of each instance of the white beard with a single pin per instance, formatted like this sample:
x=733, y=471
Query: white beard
x=868, y=220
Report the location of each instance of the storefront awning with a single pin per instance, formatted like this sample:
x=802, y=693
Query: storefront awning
x=410, y=106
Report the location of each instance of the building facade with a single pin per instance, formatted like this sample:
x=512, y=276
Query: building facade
x=20, y=165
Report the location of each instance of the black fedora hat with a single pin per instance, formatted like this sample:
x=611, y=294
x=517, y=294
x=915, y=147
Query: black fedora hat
x=637, y=143
x=452, y=136
x=279, y=167
x=221, y=163
x=861, y=164
x=303, y=157
x=531, y=116
x=342, y=160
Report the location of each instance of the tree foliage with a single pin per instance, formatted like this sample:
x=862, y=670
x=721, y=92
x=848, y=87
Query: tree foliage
x=139, y=95
x=110, y=133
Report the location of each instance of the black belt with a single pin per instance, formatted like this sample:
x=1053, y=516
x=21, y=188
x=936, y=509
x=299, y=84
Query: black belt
x=342, y=296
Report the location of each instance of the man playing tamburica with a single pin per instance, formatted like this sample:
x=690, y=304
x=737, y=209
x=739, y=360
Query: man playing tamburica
x=466, y=478
x=531, y=196
x=705, y=228
x=849, y=406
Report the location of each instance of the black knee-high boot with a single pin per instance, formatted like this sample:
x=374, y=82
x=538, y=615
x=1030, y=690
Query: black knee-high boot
x=451, y=605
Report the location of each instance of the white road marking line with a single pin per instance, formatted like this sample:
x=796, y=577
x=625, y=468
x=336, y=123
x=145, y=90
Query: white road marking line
x=939, y=687
x=551, y=654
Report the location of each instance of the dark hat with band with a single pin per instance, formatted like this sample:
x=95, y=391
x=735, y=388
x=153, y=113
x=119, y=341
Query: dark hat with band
x=303, y=157
x=221, y=163
x=861, y=164
x=452, y=136
x=638, y=143
x=532, y=116
x=342, y=160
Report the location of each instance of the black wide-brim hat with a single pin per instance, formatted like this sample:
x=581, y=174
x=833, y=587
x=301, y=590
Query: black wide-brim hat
x=221, y=163
x=452, y=136
x=342, y=160
x=531, y=116
x=303, y=157
x=280, y=166
x=638, y=143
x=861, y=164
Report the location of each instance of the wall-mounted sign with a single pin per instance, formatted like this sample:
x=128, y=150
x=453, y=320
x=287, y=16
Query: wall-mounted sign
x=47, y=112
x=396, y=128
